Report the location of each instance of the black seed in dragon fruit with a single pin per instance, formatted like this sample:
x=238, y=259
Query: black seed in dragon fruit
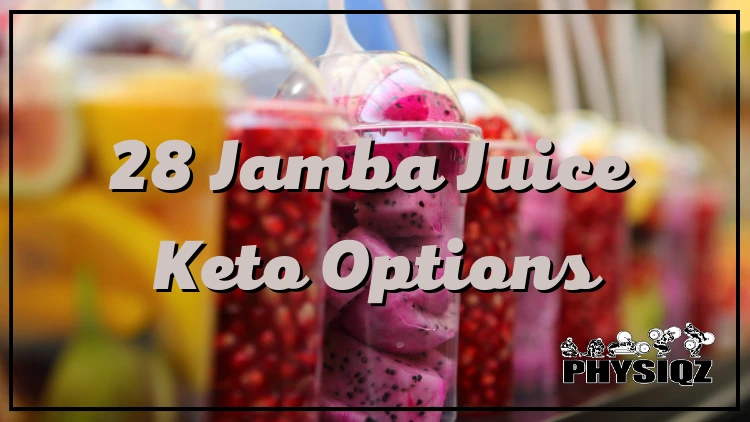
x=401, y=214
x=434, y=360
x=401, y=325
x=377, y=247
x=359, y=376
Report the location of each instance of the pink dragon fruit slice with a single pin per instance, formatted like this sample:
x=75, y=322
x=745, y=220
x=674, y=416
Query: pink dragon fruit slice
x=359, y=376
x=436, y=361
x=342, y=415
x=395, y=152
x=436, y=302
x=401, y=325
x=401, y=214
x=377, y=247
x=417, y=105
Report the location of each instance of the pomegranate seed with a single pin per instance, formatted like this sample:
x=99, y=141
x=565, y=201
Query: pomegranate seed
x=253, y=379
x=267, y=340
x=273, y=225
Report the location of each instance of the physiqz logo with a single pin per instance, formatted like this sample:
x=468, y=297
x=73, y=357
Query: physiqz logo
x=596, y=368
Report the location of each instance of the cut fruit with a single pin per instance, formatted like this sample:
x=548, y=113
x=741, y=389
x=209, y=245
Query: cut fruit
x=89, y=227
x=47, y=147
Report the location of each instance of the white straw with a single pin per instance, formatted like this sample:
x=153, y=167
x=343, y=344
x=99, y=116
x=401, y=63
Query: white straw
x=559, y=59
x=214, y=21
x=404, y=28
x=591, y=60
x=653, y=83
x=342, y=40
x=460, y=47
x=625, y=62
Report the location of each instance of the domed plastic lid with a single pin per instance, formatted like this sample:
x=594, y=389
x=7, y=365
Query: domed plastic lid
x=487, y=110
x=528, y=121
x=152, y=34
x=389, y=89
x=266, y=63
x=647, y=157
x=583, y=133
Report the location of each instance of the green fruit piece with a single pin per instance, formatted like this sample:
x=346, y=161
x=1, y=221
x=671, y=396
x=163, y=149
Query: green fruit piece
x=95, y=370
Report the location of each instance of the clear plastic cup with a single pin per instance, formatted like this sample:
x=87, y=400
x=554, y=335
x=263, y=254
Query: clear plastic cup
x=693, y=207
x=596, y=228
x=535, y=357
x=403, y=353
x=643, y=303
x=267, y=349
x=488, y=320
x=79, y=94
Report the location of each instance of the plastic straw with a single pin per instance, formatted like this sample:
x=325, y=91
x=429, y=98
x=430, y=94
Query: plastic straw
x=460, y=47
x=653, y=86
x=559, y=59
x=213, y=21
x=622, y=44
x=591, y=60
x=342, y=40
x=404, y=28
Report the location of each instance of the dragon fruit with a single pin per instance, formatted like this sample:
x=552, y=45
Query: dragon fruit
x=395, y=152
x=400, y=326
x=342, y=415
x=401, y=214
x=377, y=247
x=438, y=301
x=415, y=104
x=359, y=376
x=434, y=360
x=342, y=221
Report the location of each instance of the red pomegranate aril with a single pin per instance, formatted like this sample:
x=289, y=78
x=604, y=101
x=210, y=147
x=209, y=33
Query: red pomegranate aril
x=253, y=379
x=267, y=340
x=487, y=318
x=268, y=344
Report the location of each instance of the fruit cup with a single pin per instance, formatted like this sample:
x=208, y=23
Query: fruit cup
x=403, y=353
x=535, y=357
x=485, y=366
x=692, y=206
x=84, y=89
x=267, y=349
x=643, y=301
x=595, y=227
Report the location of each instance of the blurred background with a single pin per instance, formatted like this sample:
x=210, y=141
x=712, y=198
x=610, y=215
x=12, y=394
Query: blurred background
x=507, y=55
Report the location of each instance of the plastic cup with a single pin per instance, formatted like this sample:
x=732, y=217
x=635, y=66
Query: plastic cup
x=267, y=348
x=596, y=228
x=152, y=349
x=643, y=300
x=541, y=220
x=488, y=320
x=403, y=353
x=692, y=284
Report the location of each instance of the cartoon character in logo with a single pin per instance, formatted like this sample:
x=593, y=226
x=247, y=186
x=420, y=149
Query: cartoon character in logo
x=696, y=340
x=626, y=346
x=595, y=349
x=663, y=338
x=569, y=349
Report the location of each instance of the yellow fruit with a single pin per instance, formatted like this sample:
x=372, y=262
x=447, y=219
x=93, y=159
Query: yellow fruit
x=90, y=227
